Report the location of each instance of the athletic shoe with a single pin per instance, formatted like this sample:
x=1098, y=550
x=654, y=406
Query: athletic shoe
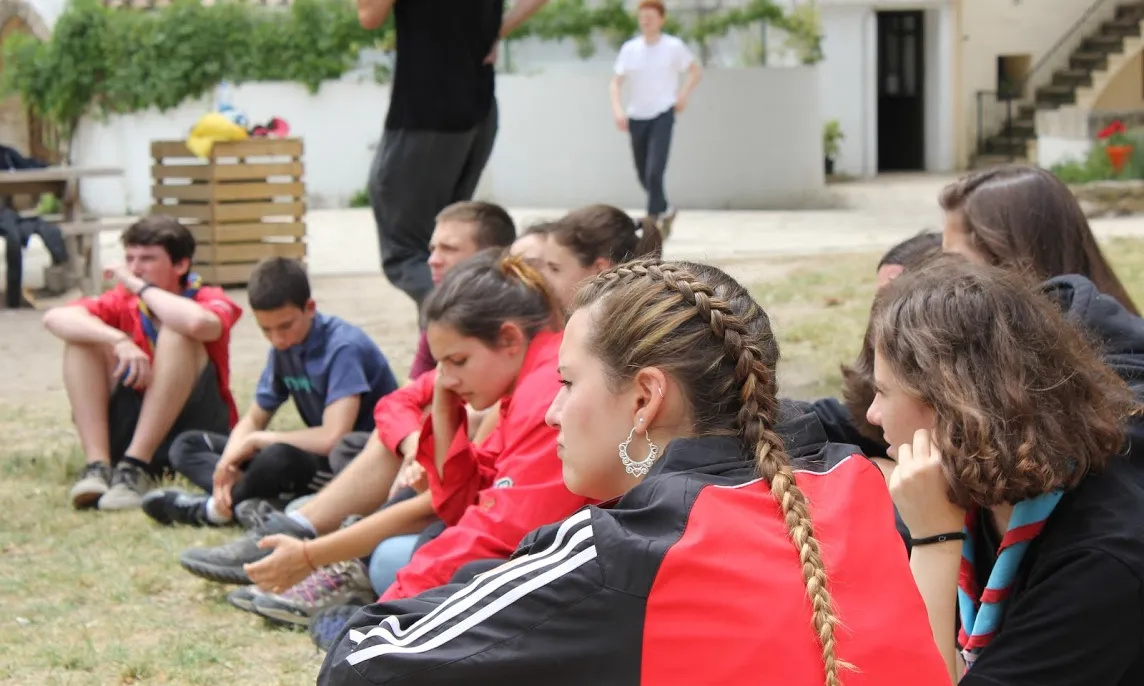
x=341, y=583
x=128, y=484
x=327, y=625
x=224, y=563
x=91, y=485
x=252, y=513
x=172, y=506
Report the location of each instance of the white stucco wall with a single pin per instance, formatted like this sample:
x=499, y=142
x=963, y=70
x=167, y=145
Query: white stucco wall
x=848, y=81
x=557, y=145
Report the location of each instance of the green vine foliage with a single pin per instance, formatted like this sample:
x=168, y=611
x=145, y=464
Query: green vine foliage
x=103, y=61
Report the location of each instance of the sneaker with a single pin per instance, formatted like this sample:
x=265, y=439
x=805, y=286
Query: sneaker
x=327, y=625
x=172, y=506
x=341, y=583
x=92, y=484
x=128, y=484
x=224, y=563
x=252, y=513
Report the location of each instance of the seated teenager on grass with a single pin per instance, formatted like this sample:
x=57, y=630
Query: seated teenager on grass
x=353, y=581
x=366, y=483
x=846, y=419
x=1025, y=219
x=1024, y=512
x=706, y=526
x=463, y=229
x=496, y=329
x=591, y=239
x=530, y=245
x=144, y=362
x=332, y=371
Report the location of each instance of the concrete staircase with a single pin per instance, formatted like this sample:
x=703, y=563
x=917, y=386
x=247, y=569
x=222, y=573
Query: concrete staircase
x=1107, y=42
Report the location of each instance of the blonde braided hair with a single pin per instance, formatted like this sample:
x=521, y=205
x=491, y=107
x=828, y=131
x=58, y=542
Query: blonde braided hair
x=703, y=328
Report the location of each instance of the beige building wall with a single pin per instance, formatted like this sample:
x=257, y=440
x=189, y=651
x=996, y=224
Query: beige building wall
x=992, y=28
x=1126, y=90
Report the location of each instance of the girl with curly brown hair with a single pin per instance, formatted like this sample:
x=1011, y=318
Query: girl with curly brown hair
x=714, y=559
x=1024, y=518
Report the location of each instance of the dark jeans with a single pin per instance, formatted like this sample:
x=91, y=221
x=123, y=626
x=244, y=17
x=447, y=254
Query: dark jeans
x=651, y=143
x=205, y=411
x=16, y=232
x=415, y=175
x=278, y=472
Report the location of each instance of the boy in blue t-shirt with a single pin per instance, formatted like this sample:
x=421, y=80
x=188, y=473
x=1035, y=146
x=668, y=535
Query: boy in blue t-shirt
x=333, y=372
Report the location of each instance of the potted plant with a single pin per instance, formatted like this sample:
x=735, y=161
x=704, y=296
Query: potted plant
x=832, y=136
x=1117, y=145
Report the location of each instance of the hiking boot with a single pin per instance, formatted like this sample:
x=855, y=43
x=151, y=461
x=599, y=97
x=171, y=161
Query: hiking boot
x=92, y=484
x=128, y=484
x=327, y=625
x=224, y=563
x=172, y=506
x=341, y=583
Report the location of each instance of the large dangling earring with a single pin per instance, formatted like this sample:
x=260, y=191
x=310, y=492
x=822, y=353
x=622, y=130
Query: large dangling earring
x=638, y=468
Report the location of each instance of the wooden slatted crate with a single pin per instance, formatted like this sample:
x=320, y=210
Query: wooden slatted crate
x=245, y=202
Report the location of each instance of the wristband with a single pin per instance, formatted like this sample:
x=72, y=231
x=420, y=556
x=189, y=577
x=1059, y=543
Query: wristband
x=940, y=538
x=139, y=293
x=306, y=557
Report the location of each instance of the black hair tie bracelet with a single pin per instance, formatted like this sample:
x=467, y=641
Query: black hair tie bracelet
x=940, y=538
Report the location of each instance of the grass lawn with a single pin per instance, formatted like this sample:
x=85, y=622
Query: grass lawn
x=89, y=598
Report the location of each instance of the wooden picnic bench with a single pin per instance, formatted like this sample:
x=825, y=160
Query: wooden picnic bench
x=81, y=234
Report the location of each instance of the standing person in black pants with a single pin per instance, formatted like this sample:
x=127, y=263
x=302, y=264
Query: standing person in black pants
x=441, y=125
x=651, y=63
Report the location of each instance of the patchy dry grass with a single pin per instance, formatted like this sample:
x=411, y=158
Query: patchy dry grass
x=90, y=598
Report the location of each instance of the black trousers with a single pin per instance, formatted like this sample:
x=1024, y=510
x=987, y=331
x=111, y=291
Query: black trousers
x=651, y=144
x=415, y=175
x=205, y=411
x=278, y=472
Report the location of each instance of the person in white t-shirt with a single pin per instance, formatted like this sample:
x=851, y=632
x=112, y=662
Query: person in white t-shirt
x=652, y=64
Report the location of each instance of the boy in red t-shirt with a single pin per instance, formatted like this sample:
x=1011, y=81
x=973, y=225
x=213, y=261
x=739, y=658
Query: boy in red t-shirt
x=144, y=362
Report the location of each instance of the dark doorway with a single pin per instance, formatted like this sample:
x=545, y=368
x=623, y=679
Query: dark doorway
x=901, y=95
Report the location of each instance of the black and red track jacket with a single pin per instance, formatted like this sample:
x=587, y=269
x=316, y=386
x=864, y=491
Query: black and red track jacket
x=690, y=578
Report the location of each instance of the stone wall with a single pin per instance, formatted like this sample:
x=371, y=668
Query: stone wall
x=1110, y=198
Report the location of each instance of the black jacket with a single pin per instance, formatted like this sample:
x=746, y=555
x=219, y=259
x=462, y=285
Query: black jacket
x=1119, y=333
x=689, y=578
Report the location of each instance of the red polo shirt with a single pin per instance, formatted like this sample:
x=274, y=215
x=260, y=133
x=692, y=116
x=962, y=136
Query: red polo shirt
x=119, y=308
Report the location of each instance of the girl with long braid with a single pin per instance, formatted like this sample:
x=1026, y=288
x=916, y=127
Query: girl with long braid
x=712, y=559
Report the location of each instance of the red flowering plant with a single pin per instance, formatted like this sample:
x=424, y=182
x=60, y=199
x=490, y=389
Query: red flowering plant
x=1118, y=146
x=1114, y=134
